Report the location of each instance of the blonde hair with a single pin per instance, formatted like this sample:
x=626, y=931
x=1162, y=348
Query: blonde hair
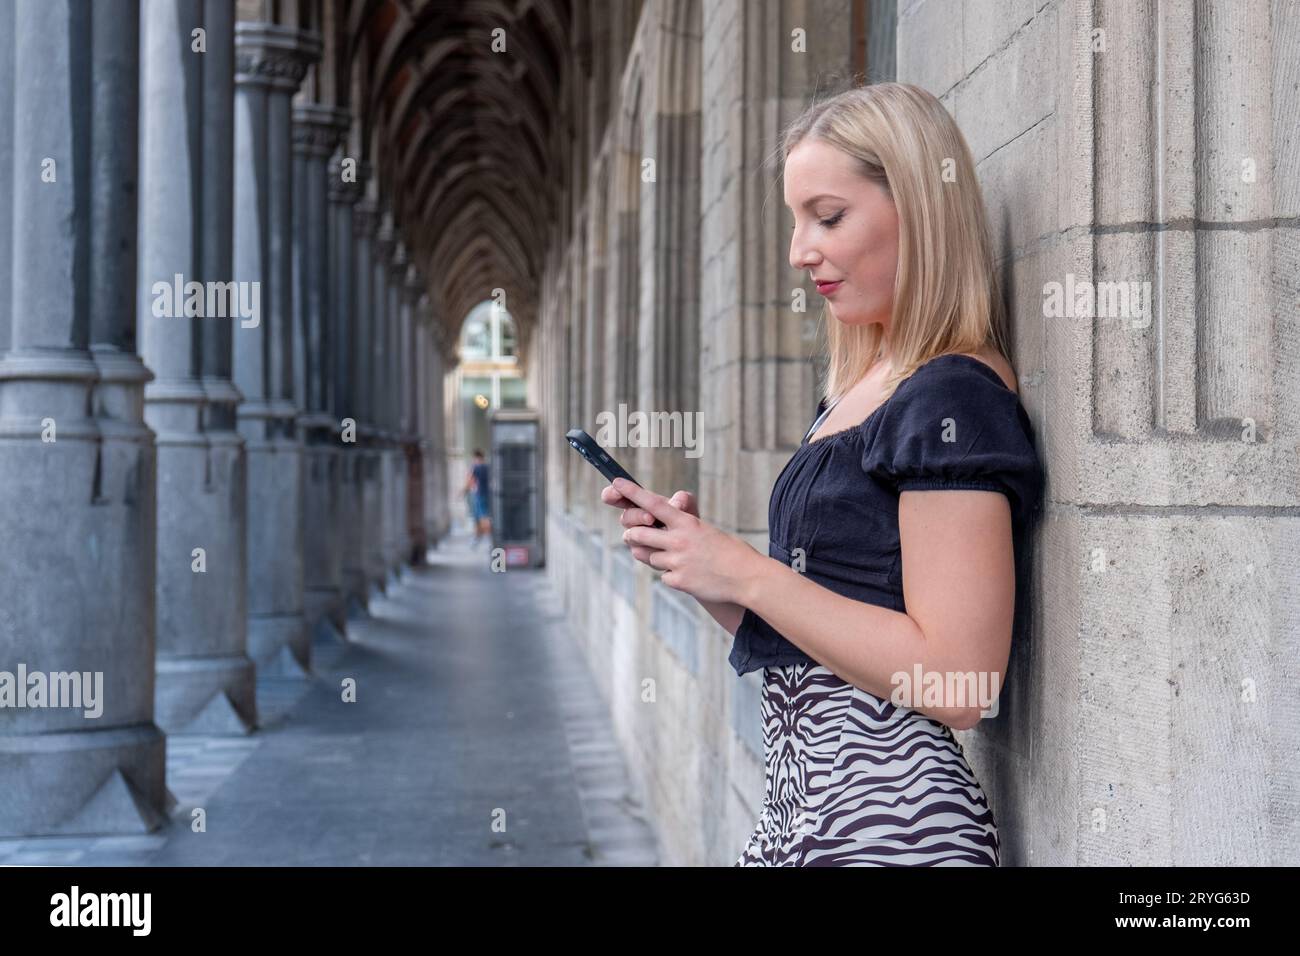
x=946, y=297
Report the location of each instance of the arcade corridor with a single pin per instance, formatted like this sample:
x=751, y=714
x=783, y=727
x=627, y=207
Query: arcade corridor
x=470, y=706
x=245, y=243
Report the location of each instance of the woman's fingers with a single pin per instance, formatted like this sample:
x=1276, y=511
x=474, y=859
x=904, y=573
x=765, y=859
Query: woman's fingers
x=640, y=516
x=635, y=517
x=685, y=501
x=632, y=517
x=643, y=554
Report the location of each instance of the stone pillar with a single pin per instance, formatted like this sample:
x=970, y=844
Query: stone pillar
x=205, y=680
x=364, y=222
x=413, y=517
x=399, y=541
x=343, y=196
x=269, y=64
x=428, y=405
x=440, y=487
x=78, y=492
x=316, y=131
x=421, y=335
x=379, y=547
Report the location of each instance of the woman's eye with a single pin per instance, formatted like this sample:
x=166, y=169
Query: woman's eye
x=831, y=222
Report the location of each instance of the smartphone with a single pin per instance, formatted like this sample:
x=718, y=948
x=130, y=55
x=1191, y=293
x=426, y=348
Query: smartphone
x=604, y=462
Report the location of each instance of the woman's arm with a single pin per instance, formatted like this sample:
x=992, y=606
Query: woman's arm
x=725, y=613
x=959, y=591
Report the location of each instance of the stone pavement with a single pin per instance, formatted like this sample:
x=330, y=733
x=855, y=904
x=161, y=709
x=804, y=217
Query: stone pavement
x=471, y=706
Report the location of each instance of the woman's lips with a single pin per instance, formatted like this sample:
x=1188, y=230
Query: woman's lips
x=826, y=288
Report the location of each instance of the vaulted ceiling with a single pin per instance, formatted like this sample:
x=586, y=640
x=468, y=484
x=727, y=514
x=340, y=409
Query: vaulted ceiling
x=465, y=136
x=465, y=111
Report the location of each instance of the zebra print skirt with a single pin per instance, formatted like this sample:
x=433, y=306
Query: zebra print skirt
x=855, y=780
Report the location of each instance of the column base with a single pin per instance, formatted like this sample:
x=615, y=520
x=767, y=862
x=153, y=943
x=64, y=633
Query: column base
x=280, y=645
x=374, y=503
x=356, y=589
x=337, y=610
x=206, y=695
x=324, y=608
x=323, y=511
x=377, y=574
x=87, y=782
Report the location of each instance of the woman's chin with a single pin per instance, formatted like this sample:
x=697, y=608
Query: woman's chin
x=846, y=317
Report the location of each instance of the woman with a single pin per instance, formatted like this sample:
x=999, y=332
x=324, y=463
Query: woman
x=898, y=527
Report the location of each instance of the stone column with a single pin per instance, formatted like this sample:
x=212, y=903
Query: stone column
x=359, y=366
x=364, y=224
x=343, y=196
x=428, y=382
x=379, y=547
x=413, y=517
x=78, y=492
x=441, y=484
x=205, y=680
x=399, y=541
x=269, y=64
x=420, y=333
x=316, y=131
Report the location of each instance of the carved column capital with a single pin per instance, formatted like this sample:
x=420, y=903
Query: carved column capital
x=273, y=56
x=365, y=218
x=413, y=286
x=351, y=190
x=317, y=129
x=399, y=262
x=385, y=237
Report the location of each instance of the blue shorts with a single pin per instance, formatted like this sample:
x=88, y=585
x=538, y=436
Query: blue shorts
x=478, y=508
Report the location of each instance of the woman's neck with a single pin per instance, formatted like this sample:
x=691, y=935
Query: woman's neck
x=885, y=353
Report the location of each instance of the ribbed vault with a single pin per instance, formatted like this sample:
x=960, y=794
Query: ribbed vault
x=467, y=141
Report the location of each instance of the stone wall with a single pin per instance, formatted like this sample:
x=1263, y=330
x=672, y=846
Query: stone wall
x=1151, y=720
x=1150, y=716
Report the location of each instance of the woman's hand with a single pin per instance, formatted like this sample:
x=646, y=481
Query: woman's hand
x=634, y=517
x=696, y=557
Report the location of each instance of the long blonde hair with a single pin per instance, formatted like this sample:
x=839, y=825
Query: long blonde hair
x=946, y=295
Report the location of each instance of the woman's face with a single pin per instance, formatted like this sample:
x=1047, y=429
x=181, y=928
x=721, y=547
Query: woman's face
x=845, y=231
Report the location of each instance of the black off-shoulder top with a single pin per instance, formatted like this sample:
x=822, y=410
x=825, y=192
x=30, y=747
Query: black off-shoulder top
x=952, y=423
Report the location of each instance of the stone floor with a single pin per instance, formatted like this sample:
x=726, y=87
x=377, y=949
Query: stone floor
x=471, y=707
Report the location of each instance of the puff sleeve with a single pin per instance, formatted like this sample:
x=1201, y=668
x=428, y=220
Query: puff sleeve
x=954, y=424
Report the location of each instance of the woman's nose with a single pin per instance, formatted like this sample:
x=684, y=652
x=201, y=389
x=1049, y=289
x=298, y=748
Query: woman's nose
x=801, y=257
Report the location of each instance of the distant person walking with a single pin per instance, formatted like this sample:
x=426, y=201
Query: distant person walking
x=478, y=487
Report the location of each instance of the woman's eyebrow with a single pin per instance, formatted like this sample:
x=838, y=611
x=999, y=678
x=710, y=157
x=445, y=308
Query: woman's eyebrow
x=809, y=202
